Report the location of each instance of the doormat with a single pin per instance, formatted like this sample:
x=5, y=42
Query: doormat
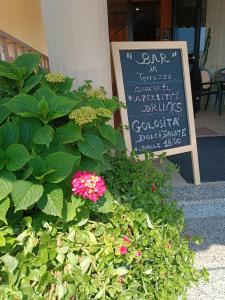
x=211, y=155
x=203, y=131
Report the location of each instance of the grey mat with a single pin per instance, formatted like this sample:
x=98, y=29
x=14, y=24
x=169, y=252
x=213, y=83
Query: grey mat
x=211, y=154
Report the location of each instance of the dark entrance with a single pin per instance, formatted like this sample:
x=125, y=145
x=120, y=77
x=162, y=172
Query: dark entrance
x=146, y=20
x=188, y=24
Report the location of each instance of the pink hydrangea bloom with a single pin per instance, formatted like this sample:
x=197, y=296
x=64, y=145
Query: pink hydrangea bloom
x=126, y=239
x=88, y=185
x=123, y=250
x=138, y=253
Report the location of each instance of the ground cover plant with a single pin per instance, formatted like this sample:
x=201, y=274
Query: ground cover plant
x=77, y=222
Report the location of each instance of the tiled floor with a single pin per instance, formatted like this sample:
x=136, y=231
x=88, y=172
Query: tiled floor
x=209, y=122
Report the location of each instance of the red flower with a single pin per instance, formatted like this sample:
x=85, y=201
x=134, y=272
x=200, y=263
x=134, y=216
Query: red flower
x=138, y=253
x=123, y=250
x=153, y=187
x=126, y=239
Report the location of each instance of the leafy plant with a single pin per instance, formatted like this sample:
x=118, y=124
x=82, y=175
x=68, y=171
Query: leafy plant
x=46, y=134
x=108, y=251
x=146, y=184
x=126, y=244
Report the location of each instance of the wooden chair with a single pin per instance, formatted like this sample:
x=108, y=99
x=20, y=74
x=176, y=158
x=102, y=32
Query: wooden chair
x=206, y=87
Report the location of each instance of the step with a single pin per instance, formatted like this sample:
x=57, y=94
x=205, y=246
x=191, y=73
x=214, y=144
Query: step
x=205, y=191
x=204, y=209
x=208, y=199
x=210, y=254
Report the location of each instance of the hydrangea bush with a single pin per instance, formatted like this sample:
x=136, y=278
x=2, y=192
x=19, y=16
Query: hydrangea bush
x=47, y=132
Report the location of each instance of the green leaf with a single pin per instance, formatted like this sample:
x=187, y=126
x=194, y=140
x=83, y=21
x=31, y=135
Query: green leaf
x=23, y=105
x=9, y=134
x=27, y=173
x=27, y=128
x=4, y=207
x=30, y=244
x=65, y=86
x=70, y=208
x=32, y=82
x=107, y=132
x=72, y=258
x=6, y=183
x=10, y=262
x=105, y=204
x=28, y=61
x=59, y=107
x=17, y=156
x=110, y=104
x=2, y=159
x=4, y=113
x=39, y=167
x=44, y=135
x=149, y=223
x=148, y=272
x=43, y=108
x=92, y=146
x=45, y=93
x=121, y=271
x=68, y=133
x=89, y=164
x=100, y=294
x=120, y=144
x=7, y=70
x=85, y=262
x=62, y=163
x=61, y=291
x=25, y=194
x=51, y=202
x=2, y=240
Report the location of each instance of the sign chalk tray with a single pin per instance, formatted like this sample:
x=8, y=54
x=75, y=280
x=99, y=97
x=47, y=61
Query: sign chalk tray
x=153, y=81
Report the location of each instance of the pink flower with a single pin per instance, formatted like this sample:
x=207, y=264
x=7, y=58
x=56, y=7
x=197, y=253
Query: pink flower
x=88, y=185
x=138, y=253
x=123, y=250
x=126, y=239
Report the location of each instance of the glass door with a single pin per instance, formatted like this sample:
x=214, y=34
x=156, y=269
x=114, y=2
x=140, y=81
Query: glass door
x=188, y=24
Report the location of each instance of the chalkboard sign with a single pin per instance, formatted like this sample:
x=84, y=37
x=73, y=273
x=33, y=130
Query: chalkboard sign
x=153, y=81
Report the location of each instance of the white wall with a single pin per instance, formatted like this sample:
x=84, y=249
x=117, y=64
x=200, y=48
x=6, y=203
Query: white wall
x=78, y=39
x=215, y=19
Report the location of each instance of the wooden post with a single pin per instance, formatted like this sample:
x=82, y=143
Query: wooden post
x=5, y=49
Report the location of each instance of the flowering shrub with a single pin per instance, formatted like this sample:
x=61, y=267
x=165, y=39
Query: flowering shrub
x=108, y=251
x=90, y=245
x=48, y=132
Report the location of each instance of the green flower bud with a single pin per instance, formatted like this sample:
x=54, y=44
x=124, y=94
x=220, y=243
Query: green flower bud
x=55, y=77
x=103, y=112
x=83, y=115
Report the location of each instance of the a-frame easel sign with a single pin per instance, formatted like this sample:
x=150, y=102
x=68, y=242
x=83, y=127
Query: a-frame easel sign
x=153, y=81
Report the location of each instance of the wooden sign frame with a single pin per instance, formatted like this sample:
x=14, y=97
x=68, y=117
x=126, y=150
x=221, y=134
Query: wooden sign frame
x=182, y=46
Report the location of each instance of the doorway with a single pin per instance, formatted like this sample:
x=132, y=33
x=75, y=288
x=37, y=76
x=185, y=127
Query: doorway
x=189, y=24
x=146, y=20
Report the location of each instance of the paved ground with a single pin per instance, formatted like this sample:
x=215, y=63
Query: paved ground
x=204, y=208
